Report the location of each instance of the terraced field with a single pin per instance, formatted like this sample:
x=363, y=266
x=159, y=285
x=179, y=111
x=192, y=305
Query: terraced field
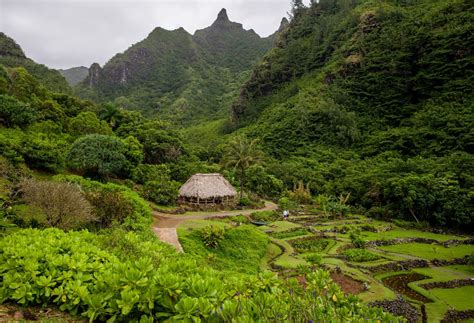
x=417, y=274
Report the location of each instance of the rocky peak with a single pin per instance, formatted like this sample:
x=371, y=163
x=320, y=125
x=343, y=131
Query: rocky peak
x=284, y=22
x=222, y=16
x=94, y=74
x=223, y=21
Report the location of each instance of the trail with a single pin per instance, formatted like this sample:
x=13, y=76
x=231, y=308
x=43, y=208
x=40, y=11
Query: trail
x=165, y=225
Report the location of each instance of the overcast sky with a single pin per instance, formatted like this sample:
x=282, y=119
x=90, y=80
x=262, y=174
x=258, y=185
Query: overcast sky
x=68, y=33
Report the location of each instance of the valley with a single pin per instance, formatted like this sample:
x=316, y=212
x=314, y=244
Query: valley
x=323, y=173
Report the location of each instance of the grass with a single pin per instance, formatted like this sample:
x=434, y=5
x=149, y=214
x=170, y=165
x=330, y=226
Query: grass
x=439, y=274
x=428, y=251
x=199, y=224
x=458, y=298
x=403, y=233
x=291, y=233
x=287, y=259
x=241, y=250
x=279, y=226
x=273, y=251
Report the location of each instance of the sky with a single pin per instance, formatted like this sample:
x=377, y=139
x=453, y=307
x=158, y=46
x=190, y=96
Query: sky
x=69, y=33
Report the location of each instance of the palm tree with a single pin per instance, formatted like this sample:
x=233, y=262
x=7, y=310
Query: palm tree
x=240, y=154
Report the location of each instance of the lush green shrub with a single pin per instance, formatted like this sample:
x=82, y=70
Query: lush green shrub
x=161, y=192
x=356, y=239
x=87, y=123
x=265, y=216
x=359, y=255
x=309, y=244
x=145, y=173
x=41, y=151
x=285, y=203
x=262, y=183
x=212, y=235
x=313, y=258
x=15, y=113
x=71, y=271
x=98, y=155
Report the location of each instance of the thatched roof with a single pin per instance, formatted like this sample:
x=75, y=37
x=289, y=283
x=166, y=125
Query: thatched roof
x=205, y=186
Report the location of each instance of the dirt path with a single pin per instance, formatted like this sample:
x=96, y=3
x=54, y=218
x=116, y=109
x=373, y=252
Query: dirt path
x=169, y=236
x=165, y=225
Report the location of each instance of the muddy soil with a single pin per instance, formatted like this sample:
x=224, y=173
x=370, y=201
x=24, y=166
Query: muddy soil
x=399, y=283
x=347, y=284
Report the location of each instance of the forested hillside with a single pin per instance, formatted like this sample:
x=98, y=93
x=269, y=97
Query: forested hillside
x=373, y=99
x=11, y=55
x=75, y=75
x=179, y=76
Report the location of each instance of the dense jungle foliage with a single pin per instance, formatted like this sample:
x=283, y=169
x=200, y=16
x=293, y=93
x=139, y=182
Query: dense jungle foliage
x=371, y=98
x=360, y=106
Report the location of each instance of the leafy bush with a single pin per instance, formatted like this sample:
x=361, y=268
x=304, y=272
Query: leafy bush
x=285, y=203
x=15, y=113
x=265, y=216
x=300, y=194
x=212, y=235
x=98, y=155
x=87, y=123
x=113, y=203
x=162, y=193
x=71, y=271
x=63, y=204
x=314, y=258
x=145, y=173
x=262, y=183
x=356, y=239
x=309, y=244
x=359, y=255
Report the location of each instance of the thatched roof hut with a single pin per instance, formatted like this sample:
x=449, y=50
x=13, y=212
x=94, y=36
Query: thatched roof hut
x=207, y=189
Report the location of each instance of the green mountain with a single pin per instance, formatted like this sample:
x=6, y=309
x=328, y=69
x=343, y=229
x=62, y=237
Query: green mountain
x=11, y=55
x=177, y=75
x=75, y=75
x=371, y=99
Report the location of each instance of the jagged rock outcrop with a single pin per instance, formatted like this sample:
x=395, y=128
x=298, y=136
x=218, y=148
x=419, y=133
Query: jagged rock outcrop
x=94, y=74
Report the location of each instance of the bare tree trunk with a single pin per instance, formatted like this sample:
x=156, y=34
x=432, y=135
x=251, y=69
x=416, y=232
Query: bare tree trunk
x=413, y=214
x=241, y=183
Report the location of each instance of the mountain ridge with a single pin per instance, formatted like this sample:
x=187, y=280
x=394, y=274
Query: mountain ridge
x=12, y=55
x=178, y=75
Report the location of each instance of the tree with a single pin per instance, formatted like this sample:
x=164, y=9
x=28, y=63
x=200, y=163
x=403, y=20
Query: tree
x=240, y=154
x=296, y=6
x=87, y=123
x=63, y=204
x=15, y=113
x=98, y=155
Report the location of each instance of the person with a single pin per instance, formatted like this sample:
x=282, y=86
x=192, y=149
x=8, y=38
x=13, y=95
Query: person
x=286, y=214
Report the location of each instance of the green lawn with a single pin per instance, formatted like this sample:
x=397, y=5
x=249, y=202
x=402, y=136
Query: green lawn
x=403, y=233
x=286, y=259
x=279, y=226
x=428, y=251
x=459, y=298
x=446, y=273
